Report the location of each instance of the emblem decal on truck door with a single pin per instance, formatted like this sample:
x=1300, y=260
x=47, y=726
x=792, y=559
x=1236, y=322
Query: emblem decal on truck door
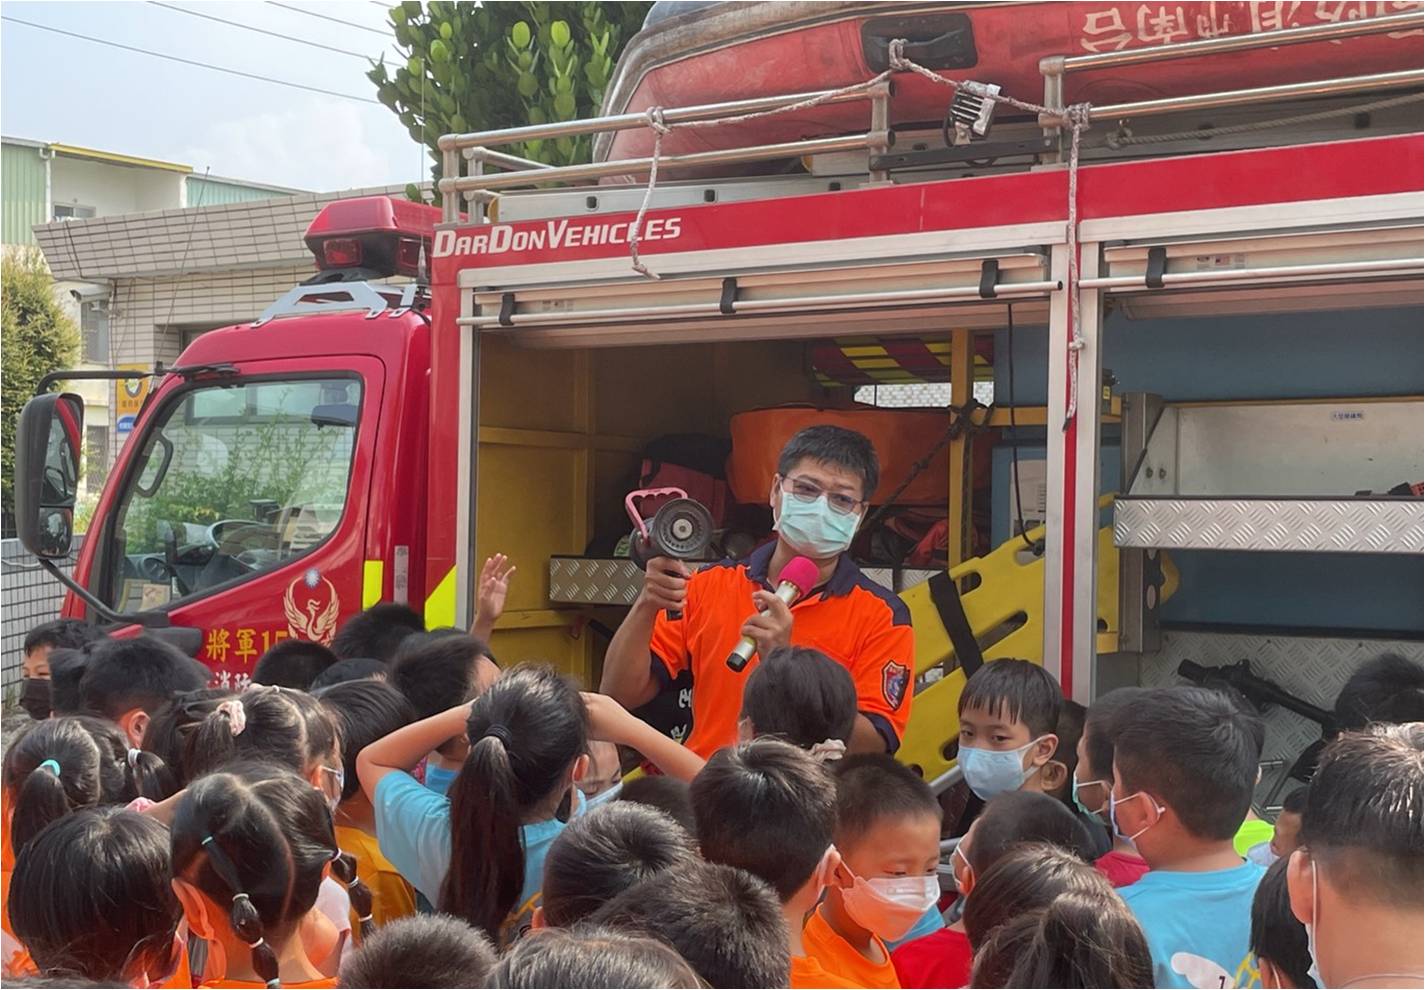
x=315, y=618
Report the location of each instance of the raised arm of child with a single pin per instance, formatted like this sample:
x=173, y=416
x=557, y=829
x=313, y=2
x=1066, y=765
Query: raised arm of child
x=490, y=595
x=403, y=749
x=611, y=722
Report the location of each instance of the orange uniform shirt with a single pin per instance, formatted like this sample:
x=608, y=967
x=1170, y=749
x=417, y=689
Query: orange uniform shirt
x=840, y=958
x=851, y=619
x=807, y=974
x=391, y=896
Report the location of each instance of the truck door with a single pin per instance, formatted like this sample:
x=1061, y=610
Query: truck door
x=242, y=509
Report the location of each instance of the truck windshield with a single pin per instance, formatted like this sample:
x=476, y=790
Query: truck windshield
x=233, y=479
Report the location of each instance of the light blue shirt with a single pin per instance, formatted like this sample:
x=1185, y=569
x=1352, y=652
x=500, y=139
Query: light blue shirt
x=413, y=830
x=1198, y=925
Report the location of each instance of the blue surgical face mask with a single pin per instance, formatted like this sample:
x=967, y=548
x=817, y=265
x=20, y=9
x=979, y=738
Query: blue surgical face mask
x=439, y=779
x=991, y=772
x=1074, y=786
x=1113, y=804
x=814, y=528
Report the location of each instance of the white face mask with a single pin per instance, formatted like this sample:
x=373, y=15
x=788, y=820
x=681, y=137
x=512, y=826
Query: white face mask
x=889, y=907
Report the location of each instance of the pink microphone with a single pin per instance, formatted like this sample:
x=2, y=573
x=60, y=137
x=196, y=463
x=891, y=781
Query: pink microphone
x=797, y=579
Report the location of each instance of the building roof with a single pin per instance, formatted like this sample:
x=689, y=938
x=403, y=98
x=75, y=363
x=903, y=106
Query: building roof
x=258, y=234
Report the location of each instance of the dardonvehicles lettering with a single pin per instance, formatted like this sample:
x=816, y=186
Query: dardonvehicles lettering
x=554, y=235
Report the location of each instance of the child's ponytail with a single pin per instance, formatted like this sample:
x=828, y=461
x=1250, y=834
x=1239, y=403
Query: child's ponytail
x=344, y=868
x=61, y=764
x=213, y=742
x=243, y=915
x=525, y=733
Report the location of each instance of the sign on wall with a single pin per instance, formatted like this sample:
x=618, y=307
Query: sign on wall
x=129, y=394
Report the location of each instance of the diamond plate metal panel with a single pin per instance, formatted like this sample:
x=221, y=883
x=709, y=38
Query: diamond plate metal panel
x=1314, y=669
x=1351, y=525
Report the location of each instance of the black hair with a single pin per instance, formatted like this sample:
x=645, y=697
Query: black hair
x=57, y=634
x=1016, y=817
x=66, y=668
x=423, y=950
x=1195, y=750
x=1026, y=878
x=436, y=674
x=603, y=853
x=62, y=981
x=278, y=726
x=1082, y=938
x=259, y=841
x=354, y=669
x=801, y=695
x=142, y=672
x=766, y=807
x=725, y=922
x=1365, y=807
x=525, y=733
x=591, y=957
x=377, y=631
x=169, y=737
x=1069, y=729
x=1387, y=688
x=292, y=663
x=363, y=711
x=837, y=445
x=1023, y=691
x=1101, y=727
x=69, y=879
x=61, y=764
x=669, y=795
x=1295, y=802
x=1277, y=935
x=871, y=787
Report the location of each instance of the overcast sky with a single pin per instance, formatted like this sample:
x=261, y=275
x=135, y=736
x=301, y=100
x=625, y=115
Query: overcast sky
x=63, y=89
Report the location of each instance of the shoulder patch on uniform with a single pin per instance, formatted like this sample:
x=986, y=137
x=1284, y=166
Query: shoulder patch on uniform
x=895, y=678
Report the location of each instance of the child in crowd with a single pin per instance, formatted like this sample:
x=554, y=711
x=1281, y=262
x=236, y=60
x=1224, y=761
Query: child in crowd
x=597, y=958
x=92, y=898
x=66, y=668
x=802, y=696
x=437, y=672
x=1184, y=768
x=943, y=958
x=376, y=632
x=1093, y=782
x=1058, y=774
x=355, y=669
x=432, y=950
x=365, y=711
x=40, y=642
x=725, y=922
x=249, y=852
x=604, y=852
x=169, y=736
x=1355, y=881
x=1009, y=714
x=605, y=771
x=666, y=794
x=127, y=680
x=292, y=663
x=1279, y=940
x=479, y=853
x=888, y=837
x=1027, y=878
x=769, y=808
x=1388, y=688
x=1286, y=836
x=1082, y=937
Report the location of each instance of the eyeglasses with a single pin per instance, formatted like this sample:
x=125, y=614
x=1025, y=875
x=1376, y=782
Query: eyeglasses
x=806, y=490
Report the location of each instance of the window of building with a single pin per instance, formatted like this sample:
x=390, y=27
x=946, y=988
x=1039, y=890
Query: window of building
x=96, y=456
x=72, y=211
x=94, y=324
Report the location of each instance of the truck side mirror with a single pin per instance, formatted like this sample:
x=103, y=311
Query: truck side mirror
x=47, y=445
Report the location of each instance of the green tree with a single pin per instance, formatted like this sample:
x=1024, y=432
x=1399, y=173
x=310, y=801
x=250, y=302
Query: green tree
x=36, y=338
x=477, y=67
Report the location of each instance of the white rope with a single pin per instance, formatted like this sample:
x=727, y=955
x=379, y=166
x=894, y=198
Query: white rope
x=1075, y=118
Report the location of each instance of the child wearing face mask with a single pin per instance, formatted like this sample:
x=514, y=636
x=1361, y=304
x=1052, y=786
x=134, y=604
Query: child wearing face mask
x=1184, y=768
x=1093, y=783
x=1009, y=718
x=888, y=837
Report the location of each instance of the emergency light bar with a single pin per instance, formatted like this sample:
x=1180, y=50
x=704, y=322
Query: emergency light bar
x=379, y=234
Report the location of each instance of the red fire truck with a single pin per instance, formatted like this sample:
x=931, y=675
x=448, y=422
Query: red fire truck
x=1218, y=364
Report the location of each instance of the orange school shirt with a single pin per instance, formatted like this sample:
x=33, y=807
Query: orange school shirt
x=807, y=974
x=391, y=896
x=840, y=958
x=850, y=618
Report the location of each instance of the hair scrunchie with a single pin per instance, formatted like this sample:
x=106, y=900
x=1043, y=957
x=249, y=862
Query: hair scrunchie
x=133, y=757
x=499, y=732
x=828, y=750
x=235, y=713
x=51, y=765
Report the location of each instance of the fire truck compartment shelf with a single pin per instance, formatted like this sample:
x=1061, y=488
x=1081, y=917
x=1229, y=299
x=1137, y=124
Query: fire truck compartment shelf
x=616, y=580
x=1320, y=525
